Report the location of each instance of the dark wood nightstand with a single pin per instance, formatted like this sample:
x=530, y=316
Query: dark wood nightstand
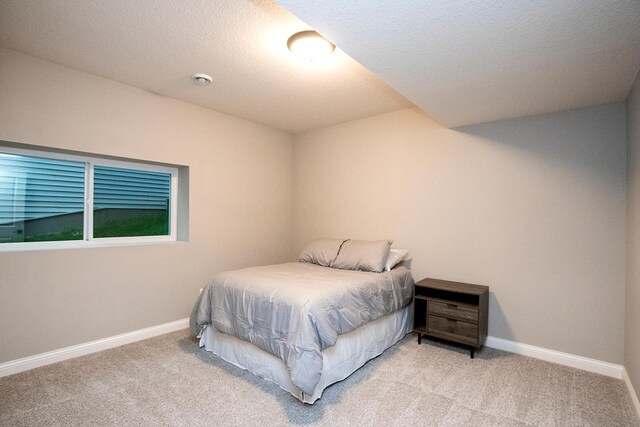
x=453, y=311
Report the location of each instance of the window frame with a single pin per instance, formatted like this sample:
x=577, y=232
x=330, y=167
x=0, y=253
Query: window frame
x=88, y=241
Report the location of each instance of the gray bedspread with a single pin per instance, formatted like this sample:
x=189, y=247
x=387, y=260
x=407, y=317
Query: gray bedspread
x=296, y=310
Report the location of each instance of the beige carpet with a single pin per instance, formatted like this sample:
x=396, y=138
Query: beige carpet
x=168, y=380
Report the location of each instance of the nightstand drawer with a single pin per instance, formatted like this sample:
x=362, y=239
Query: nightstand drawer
x=453, y=329
x=452, y=310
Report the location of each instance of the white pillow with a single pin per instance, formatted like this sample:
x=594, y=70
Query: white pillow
x=395, y=256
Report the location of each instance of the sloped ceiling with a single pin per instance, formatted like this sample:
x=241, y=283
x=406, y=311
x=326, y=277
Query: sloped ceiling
x=460, y=61
x=472, y=61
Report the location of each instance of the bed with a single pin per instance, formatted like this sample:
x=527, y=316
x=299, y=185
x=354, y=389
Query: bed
x=308, y=324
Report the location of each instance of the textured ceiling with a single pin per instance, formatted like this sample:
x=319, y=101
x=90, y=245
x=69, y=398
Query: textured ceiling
x=460, y=61
x=473, y=61
x=158, y=44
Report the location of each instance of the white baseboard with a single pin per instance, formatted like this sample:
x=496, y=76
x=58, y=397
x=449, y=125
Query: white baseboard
x=42, y=359
x=632, y=392
x=584, y=363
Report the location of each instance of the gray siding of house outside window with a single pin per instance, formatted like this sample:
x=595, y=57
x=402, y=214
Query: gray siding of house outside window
x=33, y=188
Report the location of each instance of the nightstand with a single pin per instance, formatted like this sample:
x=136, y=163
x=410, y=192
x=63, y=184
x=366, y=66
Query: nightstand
x=453, y=311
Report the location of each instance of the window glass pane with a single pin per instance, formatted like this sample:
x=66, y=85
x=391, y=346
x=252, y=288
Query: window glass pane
x=130, y=202
x=40, y=199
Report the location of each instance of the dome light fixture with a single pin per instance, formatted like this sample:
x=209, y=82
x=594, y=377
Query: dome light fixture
x=201, y=79
x=310, y=45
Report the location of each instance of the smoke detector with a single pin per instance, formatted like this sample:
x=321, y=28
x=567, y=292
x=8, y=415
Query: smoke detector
x=201, y=79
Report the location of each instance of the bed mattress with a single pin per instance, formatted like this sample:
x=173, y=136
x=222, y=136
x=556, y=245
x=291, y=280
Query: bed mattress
x=351, y=351
x=295, y=311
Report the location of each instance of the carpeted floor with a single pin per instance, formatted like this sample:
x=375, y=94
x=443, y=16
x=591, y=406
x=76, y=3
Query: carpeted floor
x=168, y=380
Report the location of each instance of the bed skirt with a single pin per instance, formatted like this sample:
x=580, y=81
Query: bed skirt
x=352, y=350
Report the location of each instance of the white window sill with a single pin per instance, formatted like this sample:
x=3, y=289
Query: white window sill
x=81, y=244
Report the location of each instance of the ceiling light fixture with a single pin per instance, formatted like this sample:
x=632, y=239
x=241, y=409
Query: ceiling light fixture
x=201, y=79
x=310, y=45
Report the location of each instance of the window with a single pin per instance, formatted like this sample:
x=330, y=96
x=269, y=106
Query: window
x=50, y=200
x=130, y=202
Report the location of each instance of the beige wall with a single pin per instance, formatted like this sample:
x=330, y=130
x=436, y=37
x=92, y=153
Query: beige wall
x=240, y=206
x=632, y=324
x=533, y=207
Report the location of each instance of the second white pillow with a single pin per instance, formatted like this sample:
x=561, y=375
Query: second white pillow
x=395, y=256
